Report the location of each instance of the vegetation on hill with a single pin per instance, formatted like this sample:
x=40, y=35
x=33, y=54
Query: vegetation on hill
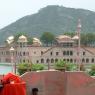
x=55, y=19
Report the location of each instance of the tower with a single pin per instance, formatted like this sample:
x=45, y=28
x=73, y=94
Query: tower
x=77, y=39
x=78, y=32
x=78, y=45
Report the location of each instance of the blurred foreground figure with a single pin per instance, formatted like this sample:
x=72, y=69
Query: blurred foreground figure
x=12, y=85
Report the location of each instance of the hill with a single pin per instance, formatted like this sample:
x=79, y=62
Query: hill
x=54, y=19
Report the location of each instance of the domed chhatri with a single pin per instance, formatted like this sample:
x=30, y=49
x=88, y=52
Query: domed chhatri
x=10, y=39
x=36, y=42
x=64, y=38
x=22, y=38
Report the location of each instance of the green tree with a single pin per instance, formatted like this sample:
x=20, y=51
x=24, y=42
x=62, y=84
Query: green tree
x=36, y=67
x=88, y=38
x=62, y=65
x=24, y=67
x=30, y=40
x=92, y=71
x=47, y=38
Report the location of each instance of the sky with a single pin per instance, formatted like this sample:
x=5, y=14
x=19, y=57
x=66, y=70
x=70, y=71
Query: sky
x=12, y=10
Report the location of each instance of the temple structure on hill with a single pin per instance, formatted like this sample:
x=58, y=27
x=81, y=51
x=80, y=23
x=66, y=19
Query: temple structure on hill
x=66, y=48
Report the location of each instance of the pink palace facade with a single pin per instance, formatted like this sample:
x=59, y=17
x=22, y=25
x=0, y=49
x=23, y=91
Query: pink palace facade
x=66, y=48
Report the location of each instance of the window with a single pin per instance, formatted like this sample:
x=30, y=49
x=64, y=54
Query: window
x=21, y=45
x=2, y=53
x=75, y=60
x=34, y=91
x=52, y=60
x=87, y=60
x=71, y=44
x=23, y=53
x=92, y=60
x=42, y=60
x=56, y=60
x=71, y=52
x=47, y=61
x=71, y=60
x=7, y=53
x=37, y=61
x=34, y=52
x=50, y=53
x=67, y=60
x=83, y=60
x=41, y=52
x=83, y=53
x=64, y=52
x=67, y=52
x=57, y=53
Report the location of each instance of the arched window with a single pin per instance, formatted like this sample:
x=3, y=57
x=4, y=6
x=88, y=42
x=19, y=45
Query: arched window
x=92, y=60
x=42, y=60
x=67, y=60
x=42, y=52
x=23, y=53
x=64, y=52
x=52, y=60
x=67, y=52
x=83, y=60
x=71, y=52
x=87, y=60
x=34, y=91
x=47, y=61
x=57, y=53
x=71, y=60
x=56, y=60
x=51, y=53
x=37, y=61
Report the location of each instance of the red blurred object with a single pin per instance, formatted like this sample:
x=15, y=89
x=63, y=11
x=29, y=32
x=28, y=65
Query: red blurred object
x=10, y=77
x=13, y=85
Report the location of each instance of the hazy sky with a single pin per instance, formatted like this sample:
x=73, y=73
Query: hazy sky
x=12, y=10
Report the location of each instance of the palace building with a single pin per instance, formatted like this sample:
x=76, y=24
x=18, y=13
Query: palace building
x=66, y=48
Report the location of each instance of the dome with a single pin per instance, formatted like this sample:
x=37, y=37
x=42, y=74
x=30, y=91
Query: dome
x=36, y=42
x=10, y=39
x=64, y=39
x=75, y=37
x=22, y=38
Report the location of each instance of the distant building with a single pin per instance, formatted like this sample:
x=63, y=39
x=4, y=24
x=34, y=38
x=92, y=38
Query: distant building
x=66, y=48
